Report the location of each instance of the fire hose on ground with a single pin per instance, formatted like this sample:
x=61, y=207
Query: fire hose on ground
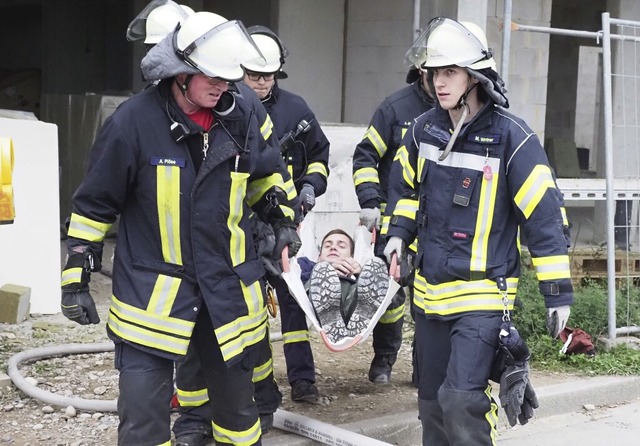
x=308, y=427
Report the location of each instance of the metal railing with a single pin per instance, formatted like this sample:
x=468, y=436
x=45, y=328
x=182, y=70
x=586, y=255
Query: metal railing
x=620, y=94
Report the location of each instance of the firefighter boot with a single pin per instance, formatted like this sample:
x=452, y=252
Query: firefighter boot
x=193, y=440
x=380, y=370
x=304, y=390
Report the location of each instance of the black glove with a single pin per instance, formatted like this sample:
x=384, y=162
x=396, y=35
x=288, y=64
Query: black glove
x=76, y=301
x=530, y=402
x=517, y=397
x=307, y=198
x=286, y=235
x=79, y=307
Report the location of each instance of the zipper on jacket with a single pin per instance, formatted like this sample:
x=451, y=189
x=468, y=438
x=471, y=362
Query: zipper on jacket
x=205, y=144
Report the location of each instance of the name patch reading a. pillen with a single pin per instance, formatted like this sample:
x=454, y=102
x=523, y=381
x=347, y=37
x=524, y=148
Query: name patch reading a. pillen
x=166, y=161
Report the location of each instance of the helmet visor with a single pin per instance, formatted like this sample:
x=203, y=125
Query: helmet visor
x=137, y=29
x=221, y=51
x=445, y=42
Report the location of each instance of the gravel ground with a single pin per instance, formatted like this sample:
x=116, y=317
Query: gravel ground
x=346, y=394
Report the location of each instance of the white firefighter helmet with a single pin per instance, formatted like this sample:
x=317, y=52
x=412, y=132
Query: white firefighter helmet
x=272, y=49
x=446, y=42
x=163, y=20
x=156, y=20
x=215, y=46
x=479, y=33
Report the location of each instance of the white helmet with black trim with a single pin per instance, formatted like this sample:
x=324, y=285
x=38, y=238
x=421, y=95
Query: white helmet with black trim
x=446, y=42
x=215, y=46
x=156, y=20
x=272, y=49
x=163, y=20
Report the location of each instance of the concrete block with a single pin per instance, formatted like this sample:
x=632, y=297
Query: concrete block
x=14, y=303
x=4, y=380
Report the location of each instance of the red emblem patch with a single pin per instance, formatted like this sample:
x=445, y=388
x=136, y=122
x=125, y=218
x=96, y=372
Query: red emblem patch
x=466, y=182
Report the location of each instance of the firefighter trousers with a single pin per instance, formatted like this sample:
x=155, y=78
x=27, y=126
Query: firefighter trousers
x=146, y=389
x=295, y=335
x=454, y=361
x=194, y=399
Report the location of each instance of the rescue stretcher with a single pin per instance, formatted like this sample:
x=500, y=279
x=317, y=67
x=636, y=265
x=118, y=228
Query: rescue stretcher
x=292, y=276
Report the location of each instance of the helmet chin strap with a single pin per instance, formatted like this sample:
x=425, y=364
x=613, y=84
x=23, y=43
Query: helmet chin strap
x=184, y=88
x=462, y=103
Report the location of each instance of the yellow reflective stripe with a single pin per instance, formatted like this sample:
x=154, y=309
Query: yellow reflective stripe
x=167, y=443
x=164, y=295
x=263, y=371
x=253, y=296
x=317, y=168
x=386, y=219
x=237, y=438
x=71, y=275
x=408, y=174
x=234, y=328
x=267, y=128
x=403, y=132
x=237, y=238
x=383, y=207
x=534, y=188
x=458, y=288
x=86, y=229
x=565, y=220
x=461, y=296
x=291, y=337
x=392, y=315
x=168, y=196
x=133, y=330
x=168, y=324
x=290, y=189
x=257, y=188
x=486, y=205
x=250, y=337
x=414, y=245
x=287, y=212
x=365, y=175
x=552, y=267
x=377, y=142
x=192, y=398
x=406, y=207
x=419, y=289
x=492, y=415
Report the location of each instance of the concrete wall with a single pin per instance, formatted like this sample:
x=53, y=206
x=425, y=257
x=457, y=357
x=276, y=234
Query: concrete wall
x=338, y=207
x=379, y=34
x=528, y=65
x=313, y=32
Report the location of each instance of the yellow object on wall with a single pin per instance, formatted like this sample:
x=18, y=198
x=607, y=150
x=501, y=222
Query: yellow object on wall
x=7, y=209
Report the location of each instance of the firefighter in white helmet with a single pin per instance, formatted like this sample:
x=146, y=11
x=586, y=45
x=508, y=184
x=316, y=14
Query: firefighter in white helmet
x=469, y=178
x=305, y=150
x=177, y=163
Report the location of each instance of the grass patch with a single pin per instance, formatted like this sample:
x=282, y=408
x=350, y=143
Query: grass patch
x=589, y=312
